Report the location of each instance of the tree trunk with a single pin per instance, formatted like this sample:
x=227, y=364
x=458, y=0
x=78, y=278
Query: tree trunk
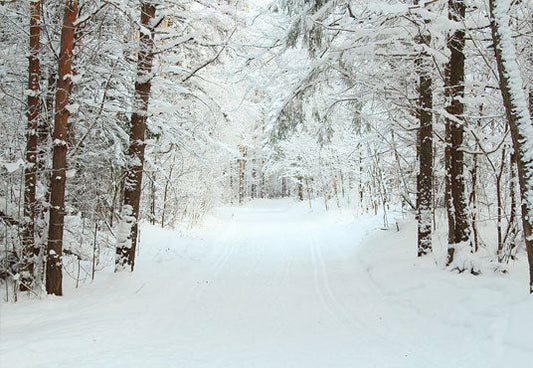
x=473, y=192
x=165, y=196
x=263, y=186
x=499, y=207
x=242, y=151
x=30, y=169
x=518, y=118
x=127, y=237
x=43, y=176
x=473, y=202
x=300, y=188
x=509, y=240
x=425, y=152
x=459, y=231
x=153, y=192
x=253, y=186
x=54, y=275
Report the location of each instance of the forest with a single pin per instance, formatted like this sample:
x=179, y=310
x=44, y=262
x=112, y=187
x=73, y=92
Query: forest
x=238, y=155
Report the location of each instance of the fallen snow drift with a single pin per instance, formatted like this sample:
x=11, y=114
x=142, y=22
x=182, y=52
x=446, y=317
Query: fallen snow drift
x=275, y=285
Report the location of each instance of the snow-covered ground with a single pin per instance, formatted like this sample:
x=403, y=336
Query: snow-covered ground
x=272, y=285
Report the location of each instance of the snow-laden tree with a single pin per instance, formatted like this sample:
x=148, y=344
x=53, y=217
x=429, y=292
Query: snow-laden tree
x=518, y=116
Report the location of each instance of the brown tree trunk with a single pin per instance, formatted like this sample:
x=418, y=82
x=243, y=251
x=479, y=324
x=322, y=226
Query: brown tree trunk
x=336, y=190
x=459, y=228
x=263, y=186
x=300, y=188
x=153, y=192
x=127, y=239
x=30, y=170
x=518, y=118
x=425, y=152
x=165, y=196
x=242, y=158
x=499, y=207
x=43, y=176
x=54, y=275
x=473, y=203
x=473, y=192
x=509, y=240
x=253, y=186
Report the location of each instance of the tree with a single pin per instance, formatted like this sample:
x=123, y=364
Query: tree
x=127, y=238
x=455, y=196
x=54, y=268
x=518, y=116
x=30, y=169
x=425, y=148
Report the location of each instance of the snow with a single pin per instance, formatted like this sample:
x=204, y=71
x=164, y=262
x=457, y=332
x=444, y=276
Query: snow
x=60, y=142
x=11, y=167
x=512, y=71
x=72, y=108
x=124, y=228
x=517, y=96
x=275, y=284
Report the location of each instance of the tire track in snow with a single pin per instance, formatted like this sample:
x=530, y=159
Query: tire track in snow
x=229, y=249
x=321, y=291
x=323, y=288
x=339, y=310
x=223, y=250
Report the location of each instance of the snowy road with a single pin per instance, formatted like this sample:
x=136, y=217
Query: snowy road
x=272, y=285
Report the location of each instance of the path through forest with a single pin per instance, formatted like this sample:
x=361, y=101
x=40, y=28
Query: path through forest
x=272, y=285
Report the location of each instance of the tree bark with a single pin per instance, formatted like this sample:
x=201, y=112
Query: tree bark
x=54, y=277
x=300, y=188
x=253, y=186
x=499, y=206
x=127, y=238
x=459, y=224
x=30, y=170
x=425, y=151
x=241, y=163
x=509, y=240
x=517, y=112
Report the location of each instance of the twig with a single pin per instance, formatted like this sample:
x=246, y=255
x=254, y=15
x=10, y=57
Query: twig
x=211, y=60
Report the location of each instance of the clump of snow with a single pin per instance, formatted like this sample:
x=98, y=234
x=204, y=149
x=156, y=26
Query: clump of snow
x=11, y=167
x=124, y=227
x=517, y=94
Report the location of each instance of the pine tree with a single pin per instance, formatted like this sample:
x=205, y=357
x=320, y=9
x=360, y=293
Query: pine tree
x=455, y=196
x=30, y=170
x=127, y=239
x=425, y=149
x=54, y=267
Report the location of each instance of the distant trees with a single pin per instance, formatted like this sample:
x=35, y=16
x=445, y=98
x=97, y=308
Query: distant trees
x=462, y=147
x=366, y=105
